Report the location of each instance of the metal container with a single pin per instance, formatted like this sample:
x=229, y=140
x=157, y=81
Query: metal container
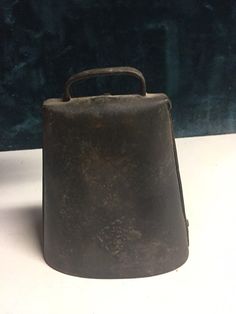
x=112, y=198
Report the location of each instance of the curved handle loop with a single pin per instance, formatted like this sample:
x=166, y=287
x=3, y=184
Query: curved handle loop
x=104, y=72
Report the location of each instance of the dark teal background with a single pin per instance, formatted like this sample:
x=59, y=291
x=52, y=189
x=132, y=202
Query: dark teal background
x=185, y=48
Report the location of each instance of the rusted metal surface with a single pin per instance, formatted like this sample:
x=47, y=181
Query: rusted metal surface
x=113, y=204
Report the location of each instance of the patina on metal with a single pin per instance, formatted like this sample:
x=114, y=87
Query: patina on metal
x=112, y=199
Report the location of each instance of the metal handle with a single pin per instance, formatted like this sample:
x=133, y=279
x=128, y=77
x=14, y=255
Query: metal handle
x=104, y=72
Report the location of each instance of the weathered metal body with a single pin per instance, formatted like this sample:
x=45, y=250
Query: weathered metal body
x=113, y=204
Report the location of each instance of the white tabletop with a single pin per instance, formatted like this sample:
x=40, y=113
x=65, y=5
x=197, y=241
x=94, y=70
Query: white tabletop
x=205, y=284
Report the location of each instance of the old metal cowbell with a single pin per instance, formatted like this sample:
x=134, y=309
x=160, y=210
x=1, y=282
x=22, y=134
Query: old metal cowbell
x=112, y=197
